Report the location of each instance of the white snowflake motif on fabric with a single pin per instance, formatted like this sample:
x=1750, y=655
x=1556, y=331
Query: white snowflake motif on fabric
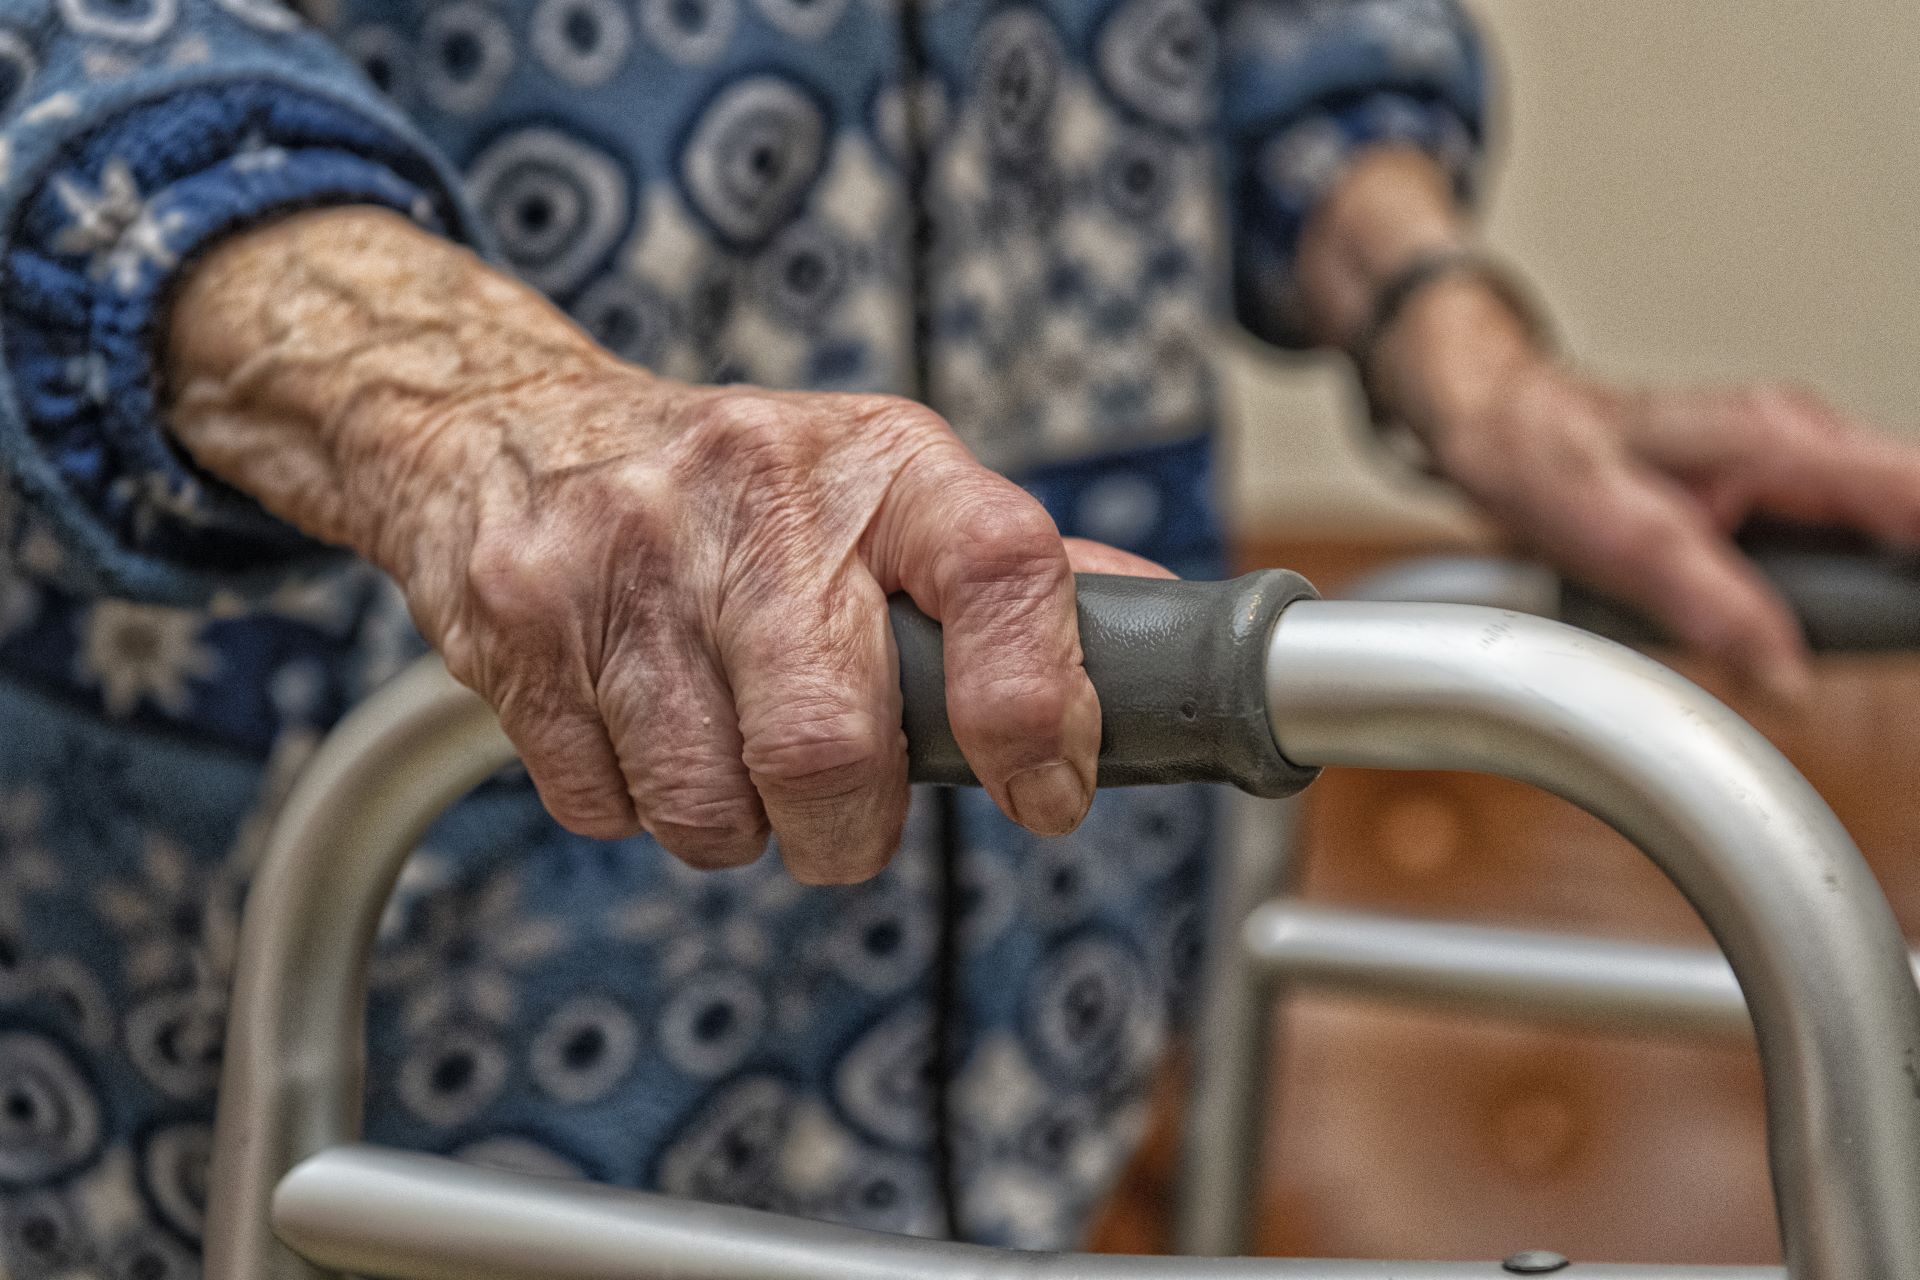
x=135, y=652
x=177, y=919
x=461, y=950
x=88, y=375
x=699, y=918
x=157, y=496
x=121, y=232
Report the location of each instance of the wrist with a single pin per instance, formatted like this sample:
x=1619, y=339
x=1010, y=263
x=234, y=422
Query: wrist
x=1451, y=356
x=1392, y=206
x=320, y=364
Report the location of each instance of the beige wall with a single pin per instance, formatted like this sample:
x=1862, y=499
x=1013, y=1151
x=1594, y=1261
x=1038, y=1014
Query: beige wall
x=1703, y=189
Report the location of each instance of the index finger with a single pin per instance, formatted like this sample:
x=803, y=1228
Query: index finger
x=983, y=558
x=1637, y=537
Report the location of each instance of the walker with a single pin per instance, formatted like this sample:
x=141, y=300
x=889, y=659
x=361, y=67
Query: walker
x=1253, y=682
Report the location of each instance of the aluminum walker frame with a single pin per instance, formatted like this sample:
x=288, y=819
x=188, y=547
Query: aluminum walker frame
x=1253, y=682
x=1849, y=596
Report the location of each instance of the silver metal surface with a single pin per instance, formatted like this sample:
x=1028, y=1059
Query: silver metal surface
x=399, y=1216
x=1518, y=973
x=1486, y=969
x=295, y=1051
x=1372, y=684
x=1762, y=859
x=1224, y=1121
x=1224, y=1133
x=1482, y=580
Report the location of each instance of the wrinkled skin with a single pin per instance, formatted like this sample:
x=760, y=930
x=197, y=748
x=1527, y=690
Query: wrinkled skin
x=1636, y=492
x=1633, y=491
x=673, y=595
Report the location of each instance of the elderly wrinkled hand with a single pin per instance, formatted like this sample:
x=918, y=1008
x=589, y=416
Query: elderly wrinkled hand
x=674, y=595
x=1634, y=492
x=1638, y=492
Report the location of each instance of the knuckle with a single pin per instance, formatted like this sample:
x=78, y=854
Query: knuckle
x=707, y=827
x=512, y=582
x=1784, y=407
x=742, y=429
x=597, y=817
x=1014, y=707
x=896, y=416
x=1005, y=540
x=818, y=752
x=1653, y=542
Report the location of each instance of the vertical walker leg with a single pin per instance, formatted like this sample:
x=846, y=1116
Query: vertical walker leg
x=1223, y=1140
x=1773, y=874
x=1775, y=877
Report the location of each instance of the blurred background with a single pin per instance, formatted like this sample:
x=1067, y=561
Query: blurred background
x=1702, y=191
x=1707, y=191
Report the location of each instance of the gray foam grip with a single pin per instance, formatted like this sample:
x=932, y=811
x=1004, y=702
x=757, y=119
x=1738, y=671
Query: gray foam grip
x=1849, y=595
x=1180, y=669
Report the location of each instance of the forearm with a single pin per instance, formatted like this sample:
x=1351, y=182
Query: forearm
x=1456, y=341
x=317, y=362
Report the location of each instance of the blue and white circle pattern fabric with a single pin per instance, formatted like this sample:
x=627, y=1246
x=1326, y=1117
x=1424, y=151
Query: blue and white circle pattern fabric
x=803, y=273
x=752, y=155
x=136, y=22
x=802, y=19
x=730, y=1149
x=714, y=189
x=1159, y=57
x=628, y=317
x=556, y=204
x=468, y=52
x=713, y=1022
x=50, y=1118
x=584, y=42
x=1016, y=77
x=449, y=1075
x=173, y=1174
x=174, y=1040
x=585, y=1050
x=268, y=15
x=1091, y=1012
x=691, y=32
x=883, y=1081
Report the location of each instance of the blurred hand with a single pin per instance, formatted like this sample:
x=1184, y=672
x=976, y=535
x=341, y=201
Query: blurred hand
x=673, y=595
x=1636, y=492
x=1633, y=492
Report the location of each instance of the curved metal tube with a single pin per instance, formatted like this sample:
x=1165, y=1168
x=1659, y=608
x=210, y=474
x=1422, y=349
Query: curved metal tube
x=405, y=1216
x=1396, y=686
x=1496, y=971
x=1231, y=1036
x=1763, y=860
x=290, y=1084
x=1493, y=581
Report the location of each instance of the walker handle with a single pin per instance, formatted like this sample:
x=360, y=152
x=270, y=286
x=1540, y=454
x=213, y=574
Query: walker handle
x=1850, y=594
x=1180, y=669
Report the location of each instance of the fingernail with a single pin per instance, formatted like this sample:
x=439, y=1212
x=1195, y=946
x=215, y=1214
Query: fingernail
x=1049, y=800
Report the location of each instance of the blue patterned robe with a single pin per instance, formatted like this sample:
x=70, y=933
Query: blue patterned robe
x=1032, y=213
